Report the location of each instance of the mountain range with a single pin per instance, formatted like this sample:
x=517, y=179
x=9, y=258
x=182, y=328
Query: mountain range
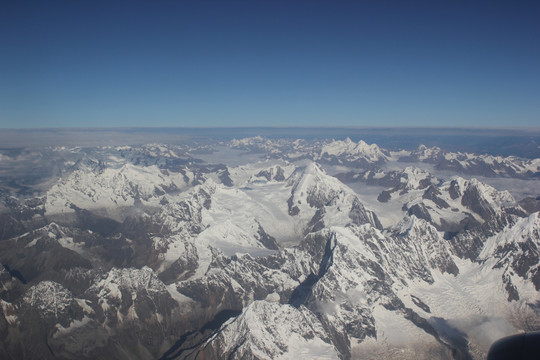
x=259, y=248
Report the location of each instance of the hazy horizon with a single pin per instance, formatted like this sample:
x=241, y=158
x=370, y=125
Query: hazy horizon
x=518, y=141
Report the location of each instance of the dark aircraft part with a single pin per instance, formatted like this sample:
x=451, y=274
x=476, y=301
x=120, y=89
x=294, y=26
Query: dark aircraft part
x=516, y=347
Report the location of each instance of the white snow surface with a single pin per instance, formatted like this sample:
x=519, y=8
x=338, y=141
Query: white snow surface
x=111, y=188
x=50, y=298
x=354, y=151
x=526, y=229
x=269, y=330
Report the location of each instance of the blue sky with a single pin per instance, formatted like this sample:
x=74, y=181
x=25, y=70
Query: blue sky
x=269, y=63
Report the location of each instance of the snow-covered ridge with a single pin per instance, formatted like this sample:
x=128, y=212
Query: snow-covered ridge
x=363, y=155
x=517, y=250
x=350, y=151
x=110, y=187
x=312, y=184
x=273, y=331
x=525, y=230
x=50, y=299
x=450, y=205
x=414, y=178
x=249, y=141
x=477, y=164
x=315, y=192
x=131, y=280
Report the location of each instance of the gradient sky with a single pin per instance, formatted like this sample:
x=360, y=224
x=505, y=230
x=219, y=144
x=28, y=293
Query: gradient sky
x=82, y=63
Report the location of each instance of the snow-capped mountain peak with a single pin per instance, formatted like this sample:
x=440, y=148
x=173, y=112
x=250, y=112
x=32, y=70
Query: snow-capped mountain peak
x=269, y=330
x=349, y=151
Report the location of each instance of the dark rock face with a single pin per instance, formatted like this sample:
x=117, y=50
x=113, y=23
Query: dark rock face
x=530, y=204
x=454, y=190
x=472, y=200
x=317, y=222
x=53, y=324
x=193, y=345
x=359, y=215
x=384, y=196
x=20, y=217
x=277, y=174
x=44, y=307
x=89, y=221
x=46, y=259
x=420, y=211
x=420, y=304
x=293, y=209
x=268, y=241
x=513, y=294
x=432, y=193
x=37, y=262
x=469, y=243
x=225, y=177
